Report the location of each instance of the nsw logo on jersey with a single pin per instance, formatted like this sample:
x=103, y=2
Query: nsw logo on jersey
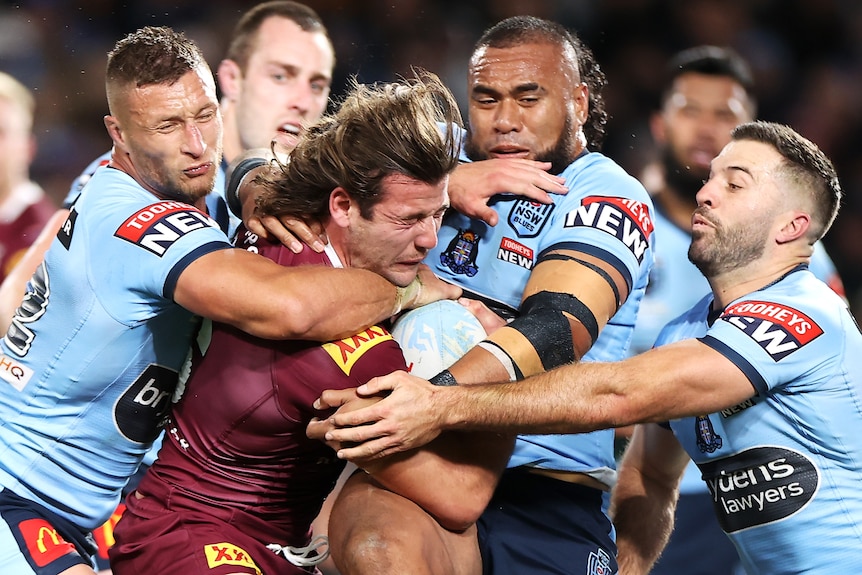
x=627, y=220
x=778, y=329
x=156, y=227
x=528, y=218
x=515, y=253
x=346, y=352
x=461, y=253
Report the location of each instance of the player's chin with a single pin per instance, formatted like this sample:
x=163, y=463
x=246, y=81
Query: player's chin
x=402, y=274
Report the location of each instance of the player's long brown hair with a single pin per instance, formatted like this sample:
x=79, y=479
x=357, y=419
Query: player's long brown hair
x=404, y=127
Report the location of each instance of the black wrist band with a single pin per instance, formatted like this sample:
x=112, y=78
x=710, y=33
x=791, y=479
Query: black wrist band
x=443, y=379
x=231, y=192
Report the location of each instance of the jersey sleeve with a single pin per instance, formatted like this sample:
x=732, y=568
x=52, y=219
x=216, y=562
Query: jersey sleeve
x=775, y=342
x=609, y=218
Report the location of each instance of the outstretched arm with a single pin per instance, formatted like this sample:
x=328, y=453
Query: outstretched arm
x=316, y=303
x=682, y=379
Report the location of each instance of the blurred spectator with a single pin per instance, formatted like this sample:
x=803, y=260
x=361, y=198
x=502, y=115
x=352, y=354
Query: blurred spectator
x=24, y=208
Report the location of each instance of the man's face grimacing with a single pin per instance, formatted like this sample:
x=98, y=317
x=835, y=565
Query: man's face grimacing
x=171, y=134
x=738, y=208
x=526, y=101
x=285, y=85
x=401, y=230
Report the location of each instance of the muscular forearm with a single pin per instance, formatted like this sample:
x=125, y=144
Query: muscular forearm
x=452, y=478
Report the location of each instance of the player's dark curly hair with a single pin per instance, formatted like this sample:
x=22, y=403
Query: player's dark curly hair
x=404, y=127
x=519, y=30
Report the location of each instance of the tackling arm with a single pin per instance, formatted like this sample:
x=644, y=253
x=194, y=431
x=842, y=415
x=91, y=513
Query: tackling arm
x=316, y=303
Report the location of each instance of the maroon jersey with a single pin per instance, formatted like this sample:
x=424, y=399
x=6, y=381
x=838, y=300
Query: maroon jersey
x=237, y=448
x=22, y=217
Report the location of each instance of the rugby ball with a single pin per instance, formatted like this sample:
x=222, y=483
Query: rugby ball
x=435, y=336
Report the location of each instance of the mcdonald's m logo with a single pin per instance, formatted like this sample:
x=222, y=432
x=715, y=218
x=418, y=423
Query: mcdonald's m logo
x=43, y=541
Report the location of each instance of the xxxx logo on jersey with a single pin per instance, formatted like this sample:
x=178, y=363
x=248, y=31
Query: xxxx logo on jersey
x=156, y=227
x=626, y=219
x=778, y=329
x=218, y=554
x=346, y=352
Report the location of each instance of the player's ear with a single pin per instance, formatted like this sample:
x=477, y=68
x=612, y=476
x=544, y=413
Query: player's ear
x=229, y=78
x=796, y=227
x=115, y=131
x=340, y=205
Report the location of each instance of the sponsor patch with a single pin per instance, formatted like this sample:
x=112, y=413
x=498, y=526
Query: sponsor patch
x=778, y=329
x=346, y=352
x=64, y=234
x=627, y=220
x=218, y=554
x=460, y=255
x=43, y=542
x=528, y=218
x=515, y=253
x=14, y=372
x=156, y=227
x=142, y=411
x=759, y=486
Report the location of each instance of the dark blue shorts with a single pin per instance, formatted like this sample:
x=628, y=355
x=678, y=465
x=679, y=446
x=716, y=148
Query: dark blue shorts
x=535, y=524
x=35, y=540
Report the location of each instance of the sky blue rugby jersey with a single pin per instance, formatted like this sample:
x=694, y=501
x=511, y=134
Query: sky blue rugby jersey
x=784, y=466
x=606, y=214
x=90, y=362
x=675, y=285
x=216, y=202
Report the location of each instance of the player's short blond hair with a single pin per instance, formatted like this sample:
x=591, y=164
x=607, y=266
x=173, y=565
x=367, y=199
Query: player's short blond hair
x=14, y=91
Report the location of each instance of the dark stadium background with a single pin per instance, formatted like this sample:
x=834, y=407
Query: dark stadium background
x=806, y=55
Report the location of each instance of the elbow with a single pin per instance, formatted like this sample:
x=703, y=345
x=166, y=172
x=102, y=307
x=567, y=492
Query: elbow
x=462, y=508
x=457, y=515
x=289, y=319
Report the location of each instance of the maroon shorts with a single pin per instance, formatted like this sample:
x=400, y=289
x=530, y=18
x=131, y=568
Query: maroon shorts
x=152, y=539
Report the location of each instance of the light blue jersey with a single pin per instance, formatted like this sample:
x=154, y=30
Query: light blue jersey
x=784, y=466
x=606, y=214
x=216, y=202
x=90, y=362
x=675, y=285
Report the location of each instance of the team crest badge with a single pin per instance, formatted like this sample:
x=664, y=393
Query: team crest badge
x=707, y=440
x=599, y=563
x=528, y=218
x=460, y=255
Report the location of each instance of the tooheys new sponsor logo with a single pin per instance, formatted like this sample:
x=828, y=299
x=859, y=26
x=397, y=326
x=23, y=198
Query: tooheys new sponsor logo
x=515, y=253
x=760, y=486
x=628, y=220
x=157, y=226
x=778, y=329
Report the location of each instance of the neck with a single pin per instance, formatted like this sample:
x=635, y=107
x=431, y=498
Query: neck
x=732, y=285
x=231, y=146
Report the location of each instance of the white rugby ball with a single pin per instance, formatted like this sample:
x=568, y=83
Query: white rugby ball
x=436, y=335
